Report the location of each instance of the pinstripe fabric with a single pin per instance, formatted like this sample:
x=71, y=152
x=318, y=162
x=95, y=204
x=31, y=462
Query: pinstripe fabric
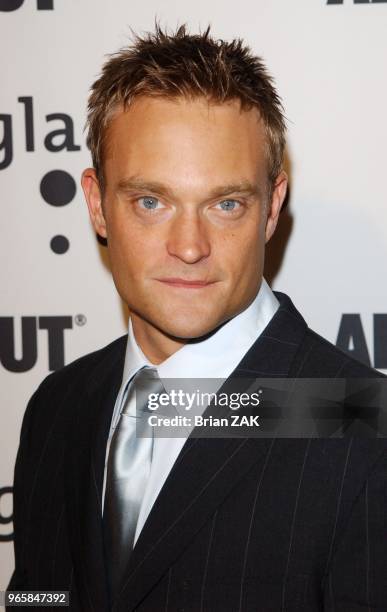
x=168, y=587
x=284, y=585
x=367, y=575
x=251, y=522
x=203, y=585
x=240, y=525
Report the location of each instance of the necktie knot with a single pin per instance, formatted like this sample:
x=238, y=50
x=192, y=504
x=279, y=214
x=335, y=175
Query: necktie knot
x=146, y=383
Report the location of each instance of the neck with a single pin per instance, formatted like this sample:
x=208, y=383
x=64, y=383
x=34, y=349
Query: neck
x=156, y=345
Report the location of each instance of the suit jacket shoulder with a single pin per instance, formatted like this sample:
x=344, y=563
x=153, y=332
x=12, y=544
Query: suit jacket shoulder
x=78, y=374
x=317, y=357
x=55, y=398
x=289, y=348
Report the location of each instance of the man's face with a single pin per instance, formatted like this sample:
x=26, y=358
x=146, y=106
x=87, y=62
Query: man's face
x=185, y=211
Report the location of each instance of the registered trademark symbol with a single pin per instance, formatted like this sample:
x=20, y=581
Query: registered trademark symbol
x=80, y=319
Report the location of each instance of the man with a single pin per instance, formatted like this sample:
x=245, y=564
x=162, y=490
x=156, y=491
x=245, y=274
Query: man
x=187, y=137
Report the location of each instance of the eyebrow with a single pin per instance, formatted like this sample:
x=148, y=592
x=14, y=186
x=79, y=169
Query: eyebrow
x=137, y=183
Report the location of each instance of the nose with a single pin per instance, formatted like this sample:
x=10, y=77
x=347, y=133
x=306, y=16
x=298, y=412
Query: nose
x=188, y=239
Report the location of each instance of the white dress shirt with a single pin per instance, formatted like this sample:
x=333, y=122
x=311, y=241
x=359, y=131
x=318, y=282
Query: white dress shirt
x=215, y=357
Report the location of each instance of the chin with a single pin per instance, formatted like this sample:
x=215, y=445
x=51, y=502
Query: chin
x=190, y=329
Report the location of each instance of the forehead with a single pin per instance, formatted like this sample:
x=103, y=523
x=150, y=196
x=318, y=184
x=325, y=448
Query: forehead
x=185, y=138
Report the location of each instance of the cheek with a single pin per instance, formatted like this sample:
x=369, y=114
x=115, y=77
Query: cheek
x=134, y=252
x=244, y=249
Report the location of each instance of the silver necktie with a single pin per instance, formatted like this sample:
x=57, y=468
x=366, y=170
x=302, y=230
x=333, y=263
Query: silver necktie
x=128, y=469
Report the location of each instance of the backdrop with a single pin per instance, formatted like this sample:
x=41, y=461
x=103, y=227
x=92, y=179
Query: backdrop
x=58, y=300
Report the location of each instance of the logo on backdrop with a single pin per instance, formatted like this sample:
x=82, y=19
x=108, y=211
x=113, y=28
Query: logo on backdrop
x=5, y=519
x=57, y=187
x=54, y=326
x=13, y=5
x=60, y=139
x=352, y=339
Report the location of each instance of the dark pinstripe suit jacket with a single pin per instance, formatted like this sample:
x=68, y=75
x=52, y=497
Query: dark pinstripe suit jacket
x=240, y=524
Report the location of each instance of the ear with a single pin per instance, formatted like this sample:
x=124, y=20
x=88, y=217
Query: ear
x=92, y=191
x=277, y=200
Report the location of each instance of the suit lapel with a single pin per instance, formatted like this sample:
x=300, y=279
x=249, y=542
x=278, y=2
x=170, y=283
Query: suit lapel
x=84, y=476
x=274, y=351
x=207, y=470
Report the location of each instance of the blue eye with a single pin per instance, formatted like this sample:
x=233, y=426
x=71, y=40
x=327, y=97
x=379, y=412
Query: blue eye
x=149, y=202
x=228, y=205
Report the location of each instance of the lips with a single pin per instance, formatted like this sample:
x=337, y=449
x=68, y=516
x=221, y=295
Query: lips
x=188, y=284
